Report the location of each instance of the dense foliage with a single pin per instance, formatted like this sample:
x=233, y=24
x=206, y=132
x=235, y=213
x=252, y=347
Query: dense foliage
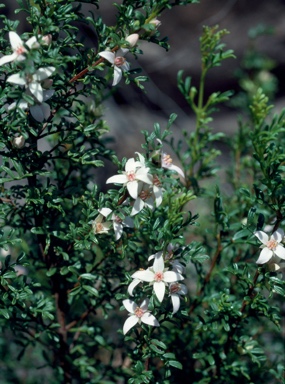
x=115, y=279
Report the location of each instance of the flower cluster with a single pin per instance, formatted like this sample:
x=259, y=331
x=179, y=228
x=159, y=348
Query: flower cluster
x=34, y=83
x=144, y=188
x=161, y=279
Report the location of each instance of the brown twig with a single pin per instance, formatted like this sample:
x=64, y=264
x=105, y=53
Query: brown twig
x=86, y=70
x=208, y=276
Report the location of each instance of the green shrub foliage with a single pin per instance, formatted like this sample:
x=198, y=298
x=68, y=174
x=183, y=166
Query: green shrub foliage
x=142, y=269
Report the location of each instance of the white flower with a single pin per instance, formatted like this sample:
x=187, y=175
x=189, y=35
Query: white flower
x=138, y=314
x=166, y=162
x=39, y=111
x=99, y=226
x=158, y=276
x=18, y=142
x=118, y=61
x=148, y=196
x=133, y=177
x=118, y=223
x=117, y=58
x=271, y=245
x=18, y=48
x=33, y=82
x=176, y=289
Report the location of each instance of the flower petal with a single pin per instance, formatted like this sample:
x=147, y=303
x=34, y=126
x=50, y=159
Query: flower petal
x=159, y=289
x=36, y=90
x=118, y=228
x=158, y=265
x=32, y=42
x=265, y=255
x=175, y=302
x=109, y=56
x=144, y=304
x=16, y=79
x=177, y=169
x=171, y=276
x=149, y=319
x=138, y=206
x=130, y=323
x=48, y=94
x=8, y=58
x=132, y=286
x=15, y=40
x=130, y=305
x=145, y=275
x=280, y=251
x=120, y=179
x=262, y=236
x=133, y=188
x=278, y=235
x=131, y=165
x=43, y=73
x=117, y=75
x=105, y=211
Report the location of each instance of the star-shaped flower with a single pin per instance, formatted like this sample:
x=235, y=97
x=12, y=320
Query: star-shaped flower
x=101, y=226
x=39, y=111
x=33, y=82
x=118, y=223
x=119, y=63
x=158, y=276
x=133, y=177
x=118, y=60
x=175, y=290
x=270, y=245
x=138, y=315
x=18, y=48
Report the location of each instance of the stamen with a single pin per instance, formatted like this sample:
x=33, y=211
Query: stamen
x=119, y=61
x=131, y=176
x=139, y=312
x=272, y=244
x=158, y=276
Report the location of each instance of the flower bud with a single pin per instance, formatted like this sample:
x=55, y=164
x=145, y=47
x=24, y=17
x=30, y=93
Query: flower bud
x=155, y=22
x=18, y=142
x=47, y=39
x=132, y=39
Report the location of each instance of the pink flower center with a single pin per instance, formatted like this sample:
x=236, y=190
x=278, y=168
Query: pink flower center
x=139, y=312
x=20, y=50
x=167, y=160
x=272, y=244
x=131, y=175
x=99, y=227
x=119, y=61
x=158, y=276
x=174, y=288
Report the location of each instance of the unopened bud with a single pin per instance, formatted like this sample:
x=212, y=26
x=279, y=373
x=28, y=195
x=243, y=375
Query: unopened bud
x=155, y=22
x=133, y=39
x=19, y=142
x=47, y=39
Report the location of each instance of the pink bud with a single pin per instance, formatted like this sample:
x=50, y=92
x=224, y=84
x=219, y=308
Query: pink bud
x=155, y=22
x=47, y=39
